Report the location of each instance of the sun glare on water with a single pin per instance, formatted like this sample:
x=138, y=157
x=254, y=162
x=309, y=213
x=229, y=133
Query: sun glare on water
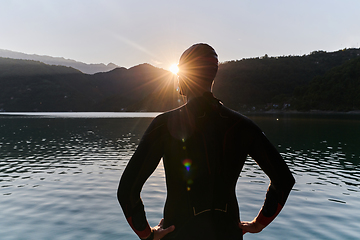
x=174, y=69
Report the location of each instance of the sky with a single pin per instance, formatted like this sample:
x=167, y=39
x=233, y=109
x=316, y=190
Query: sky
x=132, y=32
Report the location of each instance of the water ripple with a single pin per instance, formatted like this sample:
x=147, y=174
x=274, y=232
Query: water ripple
x=62, y=175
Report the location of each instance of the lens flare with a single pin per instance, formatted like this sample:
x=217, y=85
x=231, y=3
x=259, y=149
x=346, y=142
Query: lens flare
x=187, y=163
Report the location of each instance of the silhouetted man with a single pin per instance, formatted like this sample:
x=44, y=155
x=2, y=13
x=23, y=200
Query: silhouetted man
x=203, y=145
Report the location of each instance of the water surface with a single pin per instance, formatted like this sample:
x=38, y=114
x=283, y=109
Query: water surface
x=59, y=176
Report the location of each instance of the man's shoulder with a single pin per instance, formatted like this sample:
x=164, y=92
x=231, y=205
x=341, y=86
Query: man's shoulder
x=230, y=113
x=240, y=123
x=163, y=117
x=172, y=112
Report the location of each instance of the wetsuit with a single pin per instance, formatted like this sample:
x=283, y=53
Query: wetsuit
x=204, y=146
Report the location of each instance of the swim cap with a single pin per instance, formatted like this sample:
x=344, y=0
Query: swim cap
x=199, y=63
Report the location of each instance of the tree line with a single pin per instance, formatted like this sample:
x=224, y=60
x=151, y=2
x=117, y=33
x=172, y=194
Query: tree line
x=317, y=81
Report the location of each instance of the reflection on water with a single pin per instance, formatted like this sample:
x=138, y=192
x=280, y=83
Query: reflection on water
x=322, y=152
x=47, y=145
x=62, y=174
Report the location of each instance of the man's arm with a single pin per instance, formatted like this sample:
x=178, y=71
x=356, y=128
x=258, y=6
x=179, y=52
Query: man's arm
x=281, y=182
x=141, y=165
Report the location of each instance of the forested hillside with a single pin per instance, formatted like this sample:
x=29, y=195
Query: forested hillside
x=261, y=83
x=320, y=81
x=338, y=89
x=33, y=86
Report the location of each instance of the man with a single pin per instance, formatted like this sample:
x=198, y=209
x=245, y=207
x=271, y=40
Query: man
x=204, y=146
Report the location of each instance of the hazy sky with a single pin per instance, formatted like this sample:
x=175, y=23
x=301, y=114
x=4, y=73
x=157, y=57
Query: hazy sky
x=131, y=32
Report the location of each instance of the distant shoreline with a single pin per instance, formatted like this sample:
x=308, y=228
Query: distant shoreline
x=150, y=112
x=81, y=114
x=320, y=112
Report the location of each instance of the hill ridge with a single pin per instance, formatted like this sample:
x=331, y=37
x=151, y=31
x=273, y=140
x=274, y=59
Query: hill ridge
x=256, y=84
x=91, y=68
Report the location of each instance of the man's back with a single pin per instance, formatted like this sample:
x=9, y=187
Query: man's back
x=204, y=146
x=203, y=158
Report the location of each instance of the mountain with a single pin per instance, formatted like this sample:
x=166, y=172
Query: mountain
x=320, y=80
x=83, y=67
x=28, y=85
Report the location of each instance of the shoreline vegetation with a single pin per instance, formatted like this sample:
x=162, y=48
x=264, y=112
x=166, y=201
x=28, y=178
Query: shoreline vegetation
x=152, y=114
x=318, y=112
x=326, y=81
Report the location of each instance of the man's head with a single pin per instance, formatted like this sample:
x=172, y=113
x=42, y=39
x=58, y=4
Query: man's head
x=198, y=66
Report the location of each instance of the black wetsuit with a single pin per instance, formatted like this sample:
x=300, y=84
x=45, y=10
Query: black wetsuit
x=204, y=146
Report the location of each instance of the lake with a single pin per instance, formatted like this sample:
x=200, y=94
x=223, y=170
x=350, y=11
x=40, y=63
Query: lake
x=59, y=174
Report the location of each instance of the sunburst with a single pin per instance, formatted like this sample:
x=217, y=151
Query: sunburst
x=174, y=68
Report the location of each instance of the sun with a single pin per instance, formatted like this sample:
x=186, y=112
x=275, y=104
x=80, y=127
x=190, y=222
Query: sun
x=174, y=69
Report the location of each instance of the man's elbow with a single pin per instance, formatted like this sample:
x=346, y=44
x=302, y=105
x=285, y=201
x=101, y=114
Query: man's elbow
x=290, y=183
x=286, y=183
x=293, y=181
x=118, y=193
x=121, y=194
